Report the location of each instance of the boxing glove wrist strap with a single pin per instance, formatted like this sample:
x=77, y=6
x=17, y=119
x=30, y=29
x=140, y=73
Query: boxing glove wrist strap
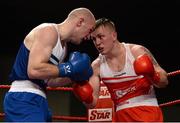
x=65, y=69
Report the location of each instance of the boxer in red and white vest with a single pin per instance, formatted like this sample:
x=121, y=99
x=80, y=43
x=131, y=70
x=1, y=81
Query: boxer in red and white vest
x=130, y=73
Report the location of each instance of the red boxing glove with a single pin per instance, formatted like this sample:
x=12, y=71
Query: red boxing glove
x=144, y=66
x=84, y=92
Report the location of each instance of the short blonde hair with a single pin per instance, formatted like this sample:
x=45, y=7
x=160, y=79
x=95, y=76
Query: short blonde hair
x=106, y=23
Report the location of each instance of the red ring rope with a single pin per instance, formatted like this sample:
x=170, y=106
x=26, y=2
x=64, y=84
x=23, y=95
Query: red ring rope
x=170, y=103
x=75, y=118
x=48, y=88
x=70, y=89
x=174, y=73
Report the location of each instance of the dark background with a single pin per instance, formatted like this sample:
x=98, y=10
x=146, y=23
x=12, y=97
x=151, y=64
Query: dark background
x=152, y=23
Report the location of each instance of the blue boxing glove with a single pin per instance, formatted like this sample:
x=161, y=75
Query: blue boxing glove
x=78, y=67
x=84, y=72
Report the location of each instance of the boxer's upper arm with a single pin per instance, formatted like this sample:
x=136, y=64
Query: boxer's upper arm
x=138, y=50
x=40, y=51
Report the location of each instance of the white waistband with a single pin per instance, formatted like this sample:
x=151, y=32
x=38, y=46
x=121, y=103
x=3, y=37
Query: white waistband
x=26, y=86
x=144, y=100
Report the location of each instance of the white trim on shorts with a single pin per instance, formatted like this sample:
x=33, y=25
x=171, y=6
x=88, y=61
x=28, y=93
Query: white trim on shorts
x=26, y=86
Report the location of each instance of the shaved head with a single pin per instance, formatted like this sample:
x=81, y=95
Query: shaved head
x=79, y=23
x=82, y=13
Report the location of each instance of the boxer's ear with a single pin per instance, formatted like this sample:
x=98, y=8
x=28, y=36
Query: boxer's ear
x=114, y=35
x=80, y=21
